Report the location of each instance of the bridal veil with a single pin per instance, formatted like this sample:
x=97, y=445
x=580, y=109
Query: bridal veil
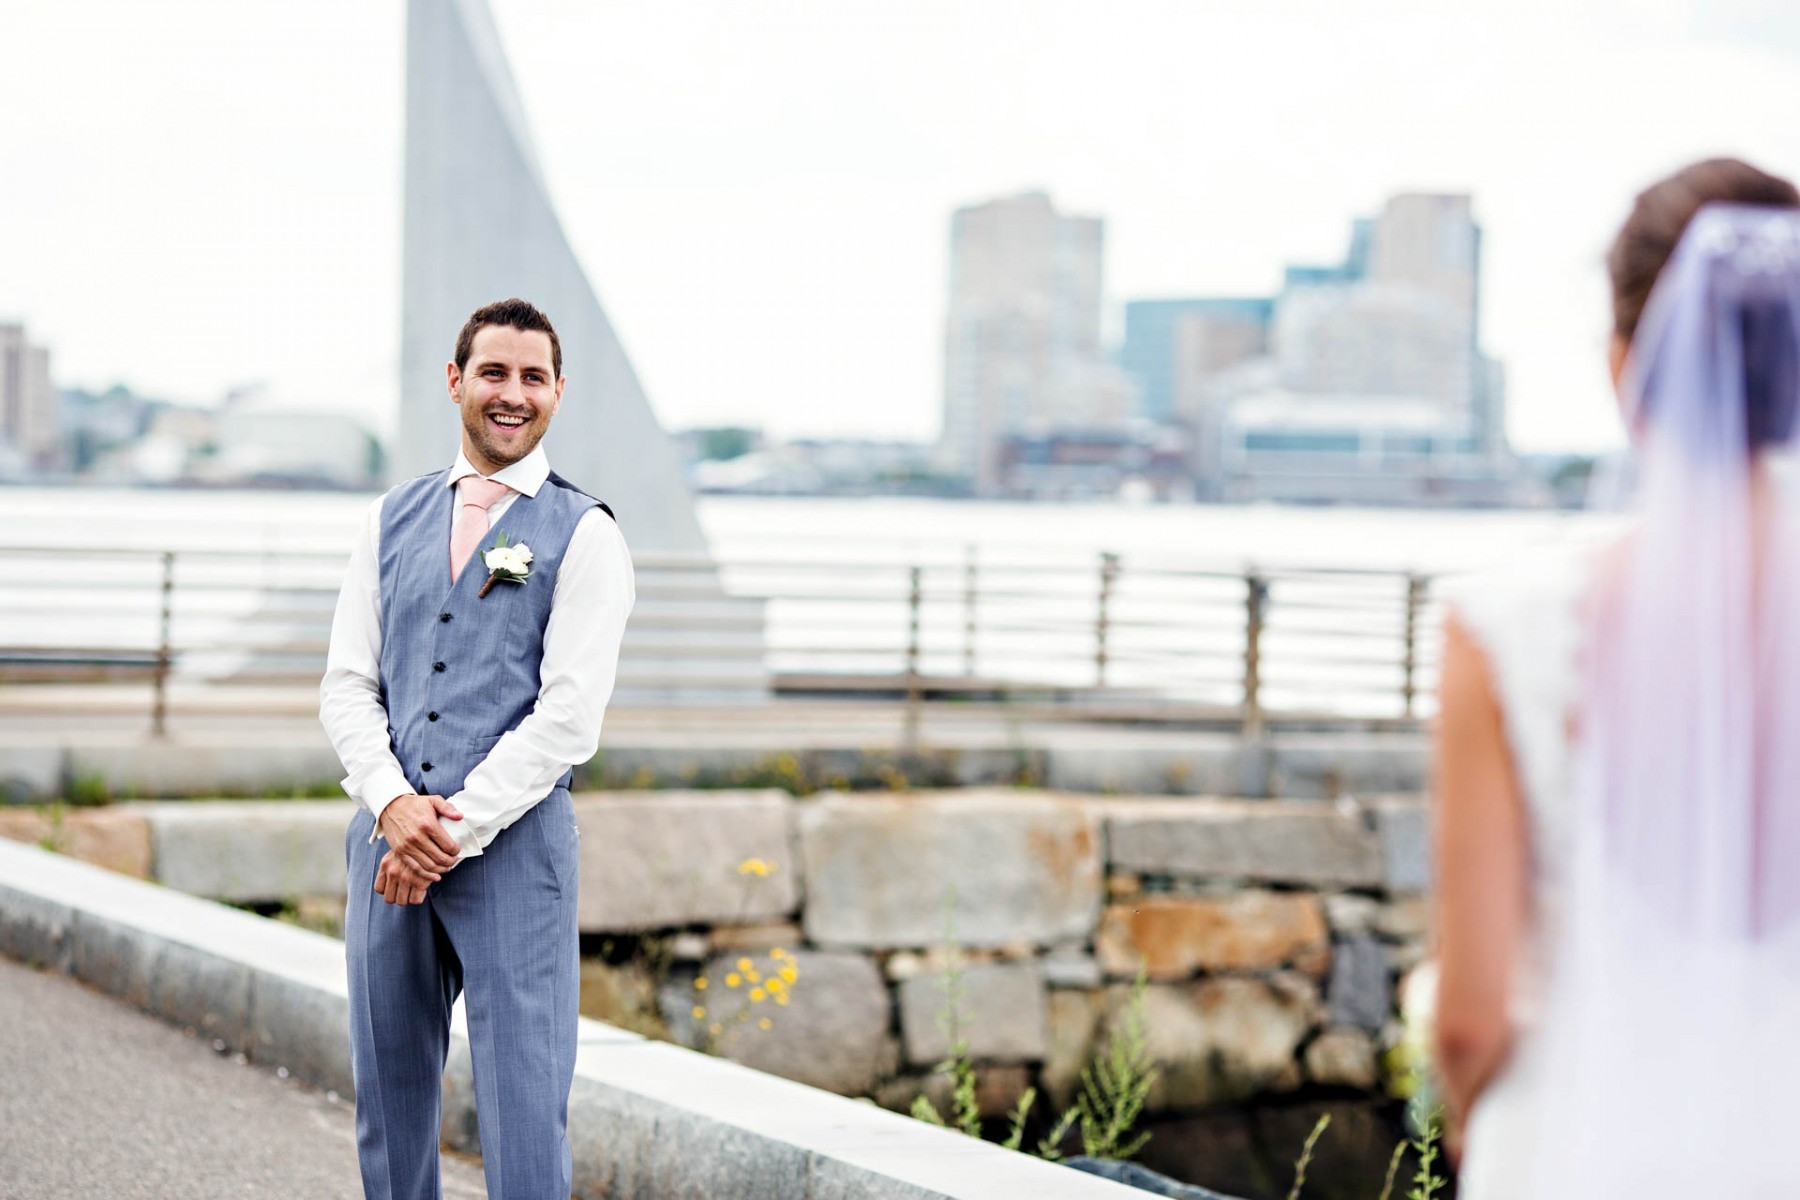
x=1672, y=1016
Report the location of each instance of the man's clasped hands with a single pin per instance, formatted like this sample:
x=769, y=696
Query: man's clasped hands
x=419, y=849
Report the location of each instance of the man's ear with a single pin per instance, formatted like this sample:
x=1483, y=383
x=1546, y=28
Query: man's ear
x=455, y=377
x=556, y=405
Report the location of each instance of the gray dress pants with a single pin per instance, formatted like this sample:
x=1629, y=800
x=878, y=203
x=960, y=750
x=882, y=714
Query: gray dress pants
x=501, y=929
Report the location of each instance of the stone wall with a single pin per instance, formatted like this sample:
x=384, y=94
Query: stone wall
x=1273, y=934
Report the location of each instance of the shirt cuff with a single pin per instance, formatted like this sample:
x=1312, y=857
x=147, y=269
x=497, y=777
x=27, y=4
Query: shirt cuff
x=464, y=833
x=376, y=791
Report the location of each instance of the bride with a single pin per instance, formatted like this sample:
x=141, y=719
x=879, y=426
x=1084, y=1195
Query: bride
x=1618, y=758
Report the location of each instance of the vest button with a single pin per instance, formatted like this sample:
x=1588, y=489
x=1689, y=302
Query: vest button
x=437, y=666
x=424, y=766
x=431, y=716
x=444, y=617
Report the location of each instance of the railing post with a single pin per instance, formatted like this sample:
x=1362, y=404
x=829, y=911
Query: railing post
x=159, y=703
x=915, y=600
x=1109, y=574
x=1256, y=603
x=969, y=595
x=1415, y=602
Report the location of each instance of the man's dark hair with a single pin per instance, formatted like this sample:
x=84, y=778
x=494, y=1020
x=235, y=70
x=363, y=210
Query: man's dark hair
x=513, y=314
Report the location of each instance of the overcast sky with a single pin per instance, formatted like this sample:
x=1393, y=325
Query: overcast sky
x=201, y=194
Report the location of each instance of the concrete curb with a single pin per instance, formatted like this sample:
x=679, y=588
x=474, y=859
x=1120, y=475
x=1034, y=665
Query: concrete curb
x=646, y=1119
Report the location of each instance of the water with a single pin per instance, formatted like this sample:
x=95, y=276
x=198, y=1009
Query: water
x=821, y=528
x=1199, y=536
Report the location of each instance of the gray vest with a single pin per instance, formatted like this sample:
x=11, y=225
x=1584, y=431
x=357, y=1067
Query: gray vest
x=458, y=672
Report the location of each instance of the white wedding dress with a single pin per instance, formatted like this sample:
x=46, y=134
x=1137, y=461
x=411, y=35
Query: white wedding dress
x=1657, y=1000
x=1526, y=618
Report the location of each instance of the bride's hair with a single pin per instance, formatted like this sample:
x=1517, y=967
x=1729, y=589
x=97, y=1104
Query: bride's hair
x=1660, y=215
x=1762, y=308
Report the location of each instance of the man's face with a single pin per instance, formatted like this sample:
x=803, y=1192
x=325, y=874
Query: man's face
x=507, y=394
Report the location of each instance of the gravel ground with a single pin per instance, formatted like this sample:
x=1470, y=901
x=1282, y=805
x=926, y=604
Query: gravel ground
x=100, y=1100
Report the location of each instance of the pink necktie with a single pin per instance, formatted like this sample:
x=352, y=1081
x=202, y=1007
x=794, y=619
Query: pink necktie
x=471, y=527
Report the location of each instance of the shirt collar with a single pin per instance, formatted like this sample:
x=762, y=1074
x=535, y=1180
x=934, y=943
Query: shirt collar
x=525, y=476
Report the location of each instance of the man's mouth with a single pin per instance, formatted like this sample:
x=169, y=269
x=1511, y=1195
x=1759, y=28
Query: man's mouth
x=506, y=420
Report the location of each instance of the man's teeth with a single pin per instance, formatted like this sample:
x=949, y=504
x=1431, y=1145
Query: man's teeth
x=506, y=420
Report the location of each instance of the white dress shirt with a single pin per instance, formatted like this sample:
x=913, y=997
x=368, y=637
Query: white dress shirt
x=595, y=589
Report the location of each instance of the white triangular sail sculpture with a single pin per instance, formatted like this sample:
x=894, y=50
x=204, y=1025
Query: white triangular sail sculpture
x=480, y=227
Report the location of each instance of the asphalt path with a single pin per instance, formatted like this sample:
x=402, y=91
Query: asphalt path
x=99, y=1100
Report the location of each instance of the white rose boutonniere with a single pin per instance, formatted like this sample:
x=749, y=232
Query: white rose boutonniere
x=505, y=564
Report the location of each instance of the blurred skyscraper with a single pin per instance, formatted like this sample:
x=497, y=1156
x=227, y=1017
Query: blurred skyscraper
x=1170, y=343
x=1361, y=381
x=1022, y=336
x=28, y=402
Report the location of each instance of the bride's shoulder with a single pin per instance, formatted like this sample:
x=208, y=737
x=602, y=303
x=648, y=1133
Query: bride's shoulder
x=1533, y=585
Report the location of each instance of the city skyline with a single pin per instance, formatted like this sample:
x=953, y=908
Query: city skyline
x=761, y=199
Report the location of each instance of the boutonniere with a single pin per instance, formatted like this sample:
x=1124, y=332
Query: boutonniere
x=505, y=564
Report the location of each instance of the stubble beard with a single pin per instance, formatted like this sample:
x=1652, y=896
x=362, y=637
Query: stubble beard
x=475, y=428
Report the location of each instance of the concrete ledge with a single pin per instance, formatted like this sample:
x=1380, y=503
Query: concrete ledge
x=249, y=850
x=107, y=837
x=1275, y=841
x=1016, y=867
x=654, y=860
x=646, y=1119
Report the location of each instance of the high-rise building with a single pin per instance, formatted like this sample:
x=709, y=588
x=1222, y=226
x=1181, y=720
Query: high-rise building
x=1399, y=318
x=28, y=401
x=1022, y=335
x=1171, y=345
x=1361, y=380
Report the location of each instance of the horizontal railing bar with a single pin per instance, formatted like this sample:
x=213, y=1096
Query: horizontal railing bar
x=1128, y=563
x=113, y=553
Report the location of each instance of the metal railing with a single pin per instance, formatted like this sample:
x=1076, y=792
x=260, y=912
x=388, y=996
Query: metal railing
x=1248, y=645
x=1105, y=634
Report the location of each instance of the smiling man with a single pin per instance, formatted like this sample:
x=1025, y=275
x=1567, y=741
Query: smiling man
x=473, y=652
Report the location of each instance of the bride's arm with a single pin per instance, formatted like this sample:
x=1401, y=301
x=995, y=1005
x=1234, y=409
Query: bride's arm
x=1481, y=878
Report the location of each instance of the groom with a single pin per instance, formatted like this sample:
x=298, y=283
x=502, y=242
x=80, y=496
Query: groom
x=460, y=688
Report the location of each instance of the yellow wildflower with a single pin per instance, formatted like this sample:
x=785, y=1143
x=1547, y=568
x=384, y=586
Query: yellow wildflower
x=790, y=973
x=753, y=975
x=700, y=984
x=756, y=867
x=715, y=1029
x=757, y=996
x=764, y=1024
x=699, y=1013
x=776, y=986
x=733, y=979
x=782, y=999
x=745, y=964
x=778, y=952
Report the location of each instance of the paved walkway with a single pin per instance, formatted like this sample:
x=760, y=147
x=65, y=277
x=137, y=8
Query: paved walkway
x=97, y=1099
